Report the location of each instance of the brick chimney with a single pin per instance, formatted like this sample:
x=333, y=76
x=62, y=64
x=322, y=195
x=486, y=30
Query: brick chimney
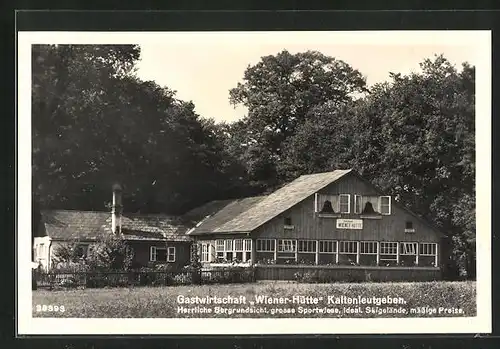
x=116, y=209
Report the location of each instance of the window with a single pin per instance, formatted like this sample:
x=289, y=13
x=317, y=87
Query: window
x=265, y=245
x=388, y=251
x=408, y=253
x=388, y=247
x=368, y=247
x=219, y=248
x=409, y=248
x=348, y=252
x=238, y=245
x=229, y=249
x=325, y=203
x=344, y=203
x=348, y=247
x=307, y=246
x=326, y=246
x=385, y=205
x=162, y=254
x=171, y=254
x=228, y=245
x=358, y=204
x=369, y=205
x=409, y=227
x=288, y=221
x=428, y=249
x=219, y=245
x=287, y=245
x=428, y=254
x=152, y=254
x=327, y=207
x=247, y=247
x=368, y=253
x=204, y=252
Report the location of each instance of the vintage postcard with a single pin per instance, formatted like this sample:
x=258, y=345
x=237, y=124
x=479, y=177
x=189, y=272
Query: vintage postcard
x=254, y=182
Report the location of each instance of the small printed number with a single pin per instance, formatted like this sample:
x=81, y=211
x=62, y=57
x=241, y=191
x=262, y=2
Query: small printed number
x=49, y=308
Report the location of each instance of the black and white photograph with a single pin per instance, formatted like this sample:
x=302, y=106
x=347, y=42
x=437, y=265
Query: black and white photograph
x=254, y=182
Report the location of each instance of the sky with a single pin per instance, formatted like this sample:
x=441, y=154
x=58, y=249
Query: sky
x=203, y=67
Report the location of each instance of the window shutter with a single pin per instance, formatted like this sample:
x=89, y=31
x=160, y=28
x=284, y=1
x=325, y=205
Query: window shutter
x=212, y=252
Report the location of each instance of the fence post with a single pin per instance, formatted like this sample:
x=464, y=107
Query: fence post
x=34, y=276
x=196, y=276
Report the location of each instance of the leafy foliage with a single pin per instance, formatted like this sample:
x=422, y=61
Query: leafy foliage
x=95, y=123
x=279, y=93
x=412, y=136
x=110, y=253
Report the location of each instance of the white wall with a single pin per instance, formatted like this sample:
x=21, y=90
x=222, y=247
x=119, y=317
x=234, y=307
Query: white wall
x=42, y=251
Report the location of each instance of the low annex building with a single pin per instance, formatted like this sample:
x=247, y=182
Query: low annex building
x=332, y=219
x=154, y=238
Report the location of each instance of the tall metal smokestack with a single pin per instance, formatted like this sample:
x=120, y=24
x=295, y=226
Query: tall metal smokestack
x=116, y=209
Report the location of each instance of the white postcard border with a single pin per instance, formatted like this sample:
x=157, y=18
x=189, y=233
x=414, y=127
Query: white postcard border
x=26, y=324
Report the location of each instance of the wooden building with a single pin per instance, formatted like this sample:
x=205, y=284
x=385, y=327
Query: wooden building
x=154, y=238
x=326, y=220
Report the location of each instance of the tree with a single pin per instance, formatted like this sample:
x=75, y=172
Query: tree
x=323, y=143
x=279, y=92
x=96, y=123
x=414, y=138
x=71, y=85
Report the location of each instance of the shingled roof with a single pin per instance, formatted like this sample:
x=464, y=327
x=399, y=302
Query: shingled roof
x=216, y=213
x=90, y=225
x=245, y=215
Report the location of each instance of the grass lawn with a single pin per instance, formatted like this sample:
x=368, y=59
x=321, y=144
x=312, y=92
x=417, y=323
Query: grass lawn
x=420, y=299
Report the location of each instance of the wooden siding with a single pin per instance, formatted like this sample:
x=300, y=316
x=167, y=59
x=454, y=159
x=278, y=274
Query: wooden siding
x=308, y=226
x=142, y=250
x=349, y=274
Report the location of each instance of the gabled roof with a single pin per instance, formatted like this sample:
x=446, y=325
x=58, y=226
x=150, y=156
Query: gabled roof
x=70, y=225
x=245, y=215
x=217, y=213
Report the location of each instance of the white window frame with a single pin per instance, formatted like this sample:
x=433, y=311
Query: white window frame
x=153, y=254
x=282, y=243
x=328, y=243
x=266, y=243
x=171, y=253
x=409, y=248
x=358, y=200
x=169, y=257
x=372, y=247
x=343, y=244
x=204, y=252
x=348, y=203
x=238, y=242
x=380, y=205
x=390, y=245
x=228, y=245
x=247, y=245
x=304, y=246
x=219, y=245
x=424, y=247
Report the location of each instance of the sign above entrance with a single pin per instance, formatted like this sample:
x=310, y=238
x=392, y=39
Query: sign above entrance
x=349, y=224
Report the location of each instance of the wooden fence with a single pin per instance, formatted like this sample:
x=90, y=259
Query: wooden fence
x=221, y=275
x=143, y=278
x=319, y=273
